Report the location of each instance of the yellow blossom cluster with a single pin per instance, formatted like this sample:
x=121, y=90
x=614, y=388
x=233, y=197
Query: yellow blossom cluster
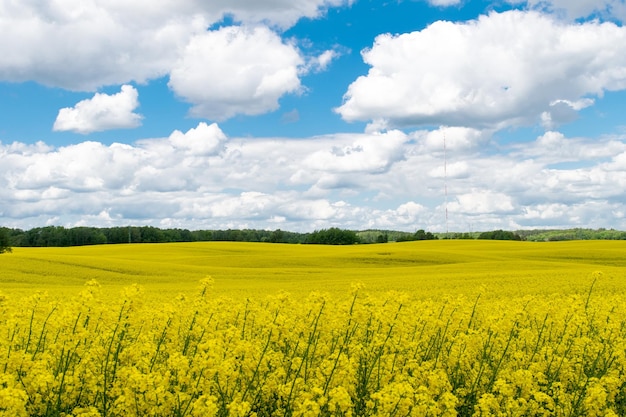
x=323, y=354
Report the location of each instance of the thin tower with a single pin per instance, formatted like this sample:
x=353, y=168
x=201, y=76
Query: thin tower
x=445, y=179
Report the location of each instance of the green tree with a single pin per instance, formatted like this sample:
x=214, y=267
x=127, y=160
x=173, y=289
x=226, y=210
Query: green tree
x=332, y=236
x=423, y=235
x=277, y=236
x=499, y=235
x=5, y=240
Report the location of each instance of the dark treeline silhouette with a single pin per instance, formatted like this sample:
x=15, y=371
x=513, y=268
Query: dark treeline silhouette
x=384, y=236
x=80, y=236
x=419, y=235
x=500, y=235
x=572, y=234
x=332, y=236
x=5, y=240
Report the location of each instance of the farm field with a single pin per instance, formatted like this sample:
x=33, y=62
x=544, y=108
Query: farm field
x=425, y=269
x=434, y=328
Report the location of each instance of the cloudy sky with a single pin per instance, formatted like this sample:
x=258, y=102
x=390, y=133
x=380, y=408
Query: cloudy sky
x=309, y=114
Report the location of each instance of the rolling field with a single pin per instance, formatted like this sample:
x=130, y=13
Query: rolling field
x=434, y=328
x=425, y=269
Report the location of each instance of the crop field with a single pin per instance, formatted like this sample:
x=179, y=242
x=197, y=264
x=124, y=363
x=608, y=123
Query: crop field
x=433, y=328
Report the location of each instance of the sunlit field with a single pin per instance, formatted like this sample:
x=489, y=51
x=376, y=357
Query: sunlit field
x=434, y=328
x=424, y=269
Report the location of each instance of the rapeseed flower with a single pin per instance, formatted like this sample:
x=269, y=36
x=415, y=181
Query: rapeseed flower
x=349, y=353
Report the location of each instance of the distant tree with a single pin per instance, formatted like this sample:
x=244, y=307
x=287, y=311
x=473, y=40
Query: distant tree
x=79, y=236
x=277, y=236
x=459, y=235
x=202, y=235
x=333, y=236
x=500, y=235
x=5, y=240
x=150, y=234
x=423, y=235
x=404, y=237
x=382, y=238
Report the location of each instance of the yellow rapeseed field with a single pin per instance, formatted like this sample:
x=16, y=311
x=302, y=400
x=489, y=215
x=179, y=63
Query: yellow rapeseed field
x=436, y=328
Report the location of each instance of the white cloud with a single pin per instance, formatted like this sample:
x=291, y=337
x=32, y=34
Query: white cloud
x=574, y=9
x=83, y=45
x=554, y=147
x=493, y=72
x=202, y=178
x=444, y=3
x=322, y=61
x=291, y=116
x=368, y=153
x=236, y=70
x=101, y=112
x=283, y=13
x=563, y=111
x=456, y=138
x=202, y=140
x=459, y=169
x=481, y=202
x=410, y=211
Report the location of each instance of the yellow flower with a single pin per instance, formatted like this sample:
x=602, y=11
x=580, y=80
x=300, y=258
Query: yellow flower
x=12, y=400
x=86, y=412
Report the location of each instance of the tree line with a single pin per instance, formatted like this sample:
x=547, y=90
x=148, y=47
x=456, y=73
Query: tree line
x=59, y=236
x=81, y=236
x=572, y=234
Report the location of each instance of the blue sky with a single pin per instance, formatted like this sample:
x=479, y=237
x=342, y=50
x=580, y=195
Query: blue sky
x=309, y=114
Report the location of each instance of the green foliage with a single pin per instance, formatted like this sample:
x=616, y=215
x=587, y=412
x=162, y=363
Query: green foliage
x=419, y=235
x=572, y=234
x=500, y=235
x=281, y=236
x=422, y=235
x=5, y=240
x=376, y=236
x=58, y=236
x=384, y=236
x=455, y=235
x=332, y=236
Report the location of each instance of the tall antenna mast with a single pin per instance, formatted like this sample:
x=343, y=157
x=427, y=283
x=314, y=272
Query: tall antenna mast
x=445, y=178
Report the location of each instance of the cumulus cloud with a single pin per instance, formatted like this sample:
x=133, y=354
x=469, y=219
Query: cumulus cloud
x=554, y=147
x=563, y=111
x=481, y=202
x=574, y=9
x=202, y=140
x=282, y=13
x=368, y=153
x=493, y=72
x=236, y=70
x=202, y=178
x=321, y=62
x=455, y=138
x=101, y=112
x=83, y=45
